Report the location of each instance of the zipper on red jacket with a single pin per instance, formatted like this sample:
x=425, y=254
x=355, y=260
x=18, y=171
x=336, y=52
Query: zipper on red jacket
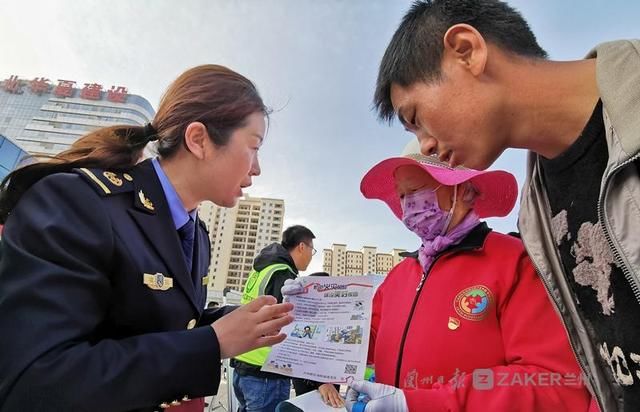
x=413, y=308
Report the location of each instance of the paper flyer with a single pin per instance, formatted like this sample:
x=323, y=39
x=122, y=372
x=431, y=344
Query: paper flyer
x=329, y=338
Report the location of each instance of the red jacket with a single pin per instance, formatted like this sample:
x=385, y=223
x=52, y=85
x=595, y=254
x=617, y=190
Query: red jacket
x=480, y=307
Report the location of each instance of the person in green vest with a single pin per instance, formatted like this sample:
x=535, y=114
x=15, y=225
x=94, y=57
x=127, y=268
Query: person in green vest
x=256, y=390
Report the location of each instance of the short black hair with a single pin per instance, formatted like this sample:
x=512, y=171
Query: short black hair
x=294, y=235
x=415, y=50
x=319, y=274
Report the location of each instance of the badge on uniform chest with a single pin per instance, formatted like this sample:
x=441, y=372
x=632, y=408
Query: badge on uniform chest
x=157, y=281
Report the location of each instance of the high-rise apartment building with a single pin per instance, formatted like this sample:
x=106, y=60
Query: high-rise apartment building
x=46, y=117
x=237, y=235
x=339, y=261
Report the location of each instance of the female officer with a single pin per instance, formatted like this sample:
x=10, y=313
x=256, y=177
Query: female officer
x=104, y=260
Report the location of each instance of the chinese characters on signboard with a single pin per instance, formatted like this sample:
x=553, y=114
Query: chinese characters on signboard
x=13, y=85
x=64, y=88
x=39, y=85
x=117, y=95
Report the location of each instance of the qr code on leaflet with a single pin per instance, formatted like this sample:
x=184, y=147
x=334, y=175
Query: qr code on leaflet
x=350, y=369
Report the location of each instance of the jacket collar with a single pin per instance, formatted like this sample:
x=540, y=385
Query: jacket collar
x=151, y=213
x=616, y=71
x=274, y=253
x=474, y=240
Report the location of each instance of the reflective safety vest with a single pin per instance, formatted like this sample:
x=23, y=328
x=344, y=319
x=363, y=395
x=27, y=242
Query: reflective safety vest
x=255, y=286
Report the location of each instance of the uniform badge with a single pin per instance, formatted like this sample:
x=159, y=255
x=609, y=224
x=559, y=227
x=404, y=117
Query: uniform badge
x=113, y=178
x=473, y=303
x=454, y=323
x=205, y=281
x=128, y=177
x=145, y=201
x=157, y=281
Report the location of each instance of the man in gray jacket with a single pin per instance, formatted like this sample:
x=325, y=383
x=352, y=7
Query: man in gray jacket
x=468, y=78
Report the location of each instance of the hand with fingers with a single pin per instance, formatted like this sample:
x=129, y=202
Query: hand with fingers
x=330, y=395
x=381, y=398
x=254, y=325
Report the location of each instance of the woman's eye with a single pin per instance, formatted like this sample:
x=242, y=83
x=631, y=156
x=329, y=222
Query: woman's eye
x=413, y=121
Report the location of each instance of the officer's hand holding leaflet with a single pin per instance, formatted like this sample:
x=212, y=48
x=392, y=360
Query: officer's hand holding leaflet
x=382, y=398
x=252, y=326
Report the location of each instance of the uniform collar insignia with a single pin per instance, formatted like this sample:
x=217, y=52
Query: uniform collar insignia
x=113, y=178
x=145, y=201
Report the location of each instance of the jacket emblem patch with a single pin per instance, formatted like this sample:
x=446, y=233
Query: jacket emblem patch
x=157, y=281
x=473, y=303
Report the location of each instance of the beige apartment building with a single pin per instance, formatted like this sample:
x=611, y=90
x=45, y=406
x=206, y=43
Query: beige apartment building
x=237, y=235
x=339, y=261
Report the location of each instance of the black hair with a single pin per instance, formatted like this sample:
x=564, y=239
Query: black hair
x=415, y=50
x=319, y=274
x=294, y=235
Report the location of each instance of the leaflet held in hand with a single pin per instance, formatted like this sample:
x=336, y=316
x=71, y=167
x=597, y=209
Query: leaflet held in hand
x=329, y=338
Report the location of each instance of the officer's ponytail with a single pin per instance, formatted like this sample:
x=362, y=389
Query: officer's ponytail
x=216, y=96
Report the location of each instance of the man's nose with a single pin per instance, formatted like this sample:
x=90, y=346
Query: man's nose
x=428, y=145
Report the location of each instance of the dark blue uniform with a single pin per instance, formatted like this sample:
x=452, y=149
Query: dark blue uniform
x=96, y=299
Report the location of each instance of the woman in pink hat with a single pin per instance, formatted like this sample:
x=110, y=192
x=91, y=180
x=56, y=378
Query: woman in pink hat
x=464, y=323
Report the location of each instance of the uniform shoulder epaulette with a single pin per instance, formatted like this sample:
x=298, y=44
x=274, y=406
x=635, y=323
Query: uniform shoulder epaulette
x=106, y=182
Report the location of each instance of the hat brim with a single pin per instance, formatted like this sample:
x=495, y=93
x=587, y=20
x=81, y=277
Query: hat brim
x=498, y=189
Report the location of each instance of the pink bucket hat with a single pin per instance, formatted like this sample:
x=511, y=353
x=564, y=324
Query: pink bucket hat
x=498, y=189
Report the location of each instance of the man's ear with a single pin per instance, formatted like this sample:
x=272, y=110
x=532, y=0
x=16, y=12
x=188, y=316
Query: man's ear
x=464, y=45
x=196, y=138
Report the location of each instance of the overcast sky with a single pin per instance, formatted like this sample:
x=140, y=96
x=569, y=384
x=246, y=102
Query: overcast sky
x=315, y=62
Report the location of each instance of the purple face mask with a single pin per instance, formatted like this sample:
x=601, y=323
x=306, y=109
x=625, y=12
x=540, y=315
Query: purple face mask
x=422, y=215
